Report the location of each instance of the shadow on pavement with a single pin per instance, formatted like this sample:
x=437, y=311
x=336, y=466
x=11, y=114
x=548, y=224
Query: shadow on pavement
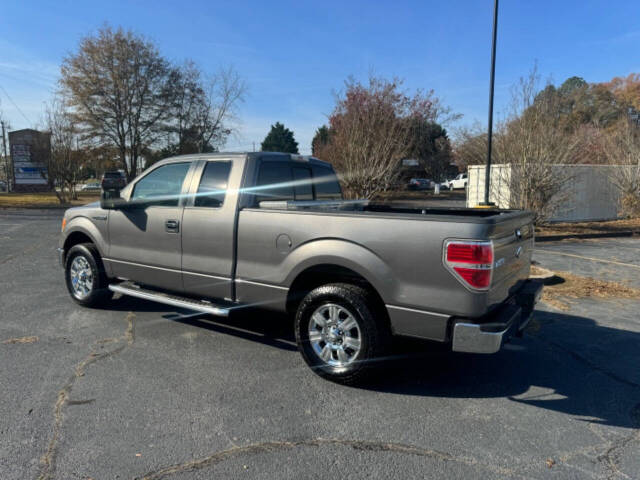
x=584, y=369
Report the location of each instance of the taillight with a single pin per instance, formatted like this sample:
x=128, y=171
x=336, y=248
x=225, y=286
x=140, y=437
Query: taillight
x=471, y=262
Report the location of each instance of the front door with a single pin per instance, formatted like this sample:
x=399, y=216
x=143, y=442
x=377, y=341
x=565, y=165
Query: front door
x=145, y=242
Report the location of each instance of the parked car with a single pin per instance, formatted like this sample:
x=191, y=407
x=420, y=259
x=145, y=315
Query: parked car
x=113, y=180
x=420, y=184
x=90, y=187
x=217, y=232
x=459, y=182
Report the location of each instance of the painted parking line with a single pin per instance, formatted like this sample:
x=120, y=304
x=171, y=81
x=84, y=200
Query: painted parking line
x=613, y=262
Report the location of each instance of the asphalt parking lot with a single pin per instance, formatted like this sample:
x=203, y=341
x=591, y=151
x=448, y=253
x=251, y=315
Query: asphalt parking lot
x=140, y=390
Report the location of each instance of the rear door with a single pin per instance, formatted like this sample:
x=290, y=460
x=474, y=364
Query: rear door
x=145, y=243
x=208, y=229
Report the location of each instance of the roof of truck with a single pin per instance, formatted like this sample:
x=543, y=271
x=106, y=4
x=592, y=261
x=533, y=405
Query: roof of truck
x=276, y=155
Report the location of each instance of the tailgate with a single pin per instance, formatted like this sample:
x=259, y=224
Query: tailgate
x=512, y=250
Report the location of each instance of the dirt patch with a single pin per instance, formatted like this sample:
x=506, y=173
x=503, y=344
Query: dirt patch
x=12, y=341
x=560, y=287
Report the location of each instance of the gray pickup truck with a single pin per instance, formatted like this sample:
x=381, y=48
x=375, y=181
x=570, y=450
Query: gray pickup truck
x=216, y=232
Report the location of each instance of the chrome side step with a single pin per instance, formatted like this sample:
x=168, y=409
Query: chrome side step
x=133, y=290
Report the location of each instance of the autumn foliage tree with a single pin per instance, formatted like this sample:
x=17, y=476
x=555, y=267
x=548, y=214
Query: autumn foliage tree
x=577, y=122
x=371, y=132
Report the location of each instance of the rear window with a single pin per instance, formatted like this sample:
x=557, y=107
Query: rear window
x=112, y=175
x=289, y=181
x=274, y=182
x=326, y=183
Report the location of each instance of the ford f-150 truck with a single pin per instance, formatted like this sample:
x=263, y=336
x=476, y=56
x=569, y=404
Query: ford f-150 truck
x=215, y=232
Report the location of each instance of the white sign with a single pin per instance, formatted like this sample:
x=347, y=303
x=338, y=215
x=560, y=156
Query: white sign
x=25, y=171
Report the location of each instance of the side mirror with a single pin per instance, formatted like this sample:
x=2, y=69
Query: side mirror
x=111, y=200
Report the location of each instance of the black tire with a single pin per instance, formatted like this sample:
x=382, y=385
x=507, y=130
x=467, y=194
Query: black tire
x=373, y=331
x=98, y=294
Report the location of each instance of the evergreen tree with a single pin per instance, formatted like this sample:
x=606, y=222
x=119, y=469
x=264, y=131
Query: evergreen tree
x=320, y=139
x=280, y=139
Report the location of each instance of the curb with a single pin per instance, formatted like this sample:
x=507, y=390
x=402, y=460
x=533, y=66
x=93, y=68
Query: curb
x=569, y=236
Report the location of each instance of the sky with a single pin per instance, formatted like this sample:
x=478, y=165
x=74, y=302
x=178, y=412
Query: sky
x=295, y=56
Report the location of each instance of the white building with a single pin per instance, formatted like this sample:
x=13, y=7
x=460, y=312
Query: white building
x=588, y=195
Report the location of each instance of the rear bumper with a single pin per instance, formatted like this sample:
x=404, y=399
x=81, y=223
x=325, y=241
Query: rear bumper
x=490, y=333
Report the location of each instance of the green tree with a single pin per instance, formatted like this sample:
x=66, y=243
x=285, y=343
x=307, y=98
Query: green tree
x=320, y=139
x=280, y=139
x=430, y=146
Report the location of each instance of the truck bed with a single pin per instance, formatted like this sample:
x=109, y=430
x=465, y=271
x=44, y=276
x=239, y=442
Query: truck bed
x=457, y=214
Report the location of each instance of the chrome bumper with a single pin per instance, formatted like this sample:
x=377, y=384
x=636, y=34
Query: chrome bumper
x=490, y=335
x=485, y=338
x=60, y=256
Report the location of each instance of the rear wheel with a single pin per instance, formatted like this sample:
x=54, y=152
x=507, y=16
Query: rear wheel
x=84, y=275
x=341, y=332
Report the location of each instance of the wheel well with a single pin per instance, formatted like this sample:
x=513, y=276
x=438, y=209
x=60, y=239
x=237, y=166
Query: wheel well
x=319, y=275
x=74, y=239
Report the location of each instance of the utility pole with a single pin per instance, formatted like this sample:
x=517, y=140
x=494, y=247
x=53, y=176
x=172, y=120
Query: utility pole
x=6, y=158
x=254, y=146
x=487, y=179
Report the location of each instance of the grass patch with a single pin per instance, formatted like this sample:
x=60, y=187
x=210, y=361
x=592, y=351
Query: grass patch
x=612, y=226
x=42, y=200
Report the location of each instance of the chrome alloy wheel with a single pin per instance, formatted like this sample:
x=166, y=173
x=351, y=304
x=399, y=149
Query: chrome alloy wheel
x=334, y=335
x=81, y=277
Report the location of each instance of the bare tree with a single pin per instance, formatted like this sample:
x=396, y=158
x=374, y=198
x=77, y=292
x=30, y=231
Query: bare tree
x=119, y=88
x=531, y=142
x=187, y=99
x=470, y=147
x=216, y=114
x=623, y=153
x=203, y=109
x=63, y=158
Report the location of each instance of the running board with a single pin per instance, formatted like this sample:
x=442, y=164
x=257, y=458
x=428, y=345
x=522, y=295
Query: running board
x=134, y=290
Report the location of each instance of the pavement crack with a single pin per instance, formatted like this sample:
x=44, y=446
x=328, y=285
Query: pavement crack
x=274, y=446
x=610, y=458
x=47, y=461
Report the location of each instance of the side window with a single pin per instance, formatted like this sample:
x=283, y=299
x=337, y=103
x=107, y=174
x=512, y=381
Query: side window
x=302, y=183
x=274, y=182
x=164, y=184
x=213, y=185
x=326, y=183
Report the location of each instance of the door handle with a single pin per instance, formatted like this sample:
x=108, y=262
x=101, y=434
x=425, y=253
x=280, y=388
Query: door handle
x=172, y=226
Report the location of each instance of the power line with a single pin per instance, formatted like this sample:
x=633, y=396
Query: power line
x=17, y=107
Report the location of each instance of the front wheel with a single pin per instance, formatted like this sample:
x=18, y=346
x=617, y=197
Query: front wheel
x=85, y=277
x=342, y=332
